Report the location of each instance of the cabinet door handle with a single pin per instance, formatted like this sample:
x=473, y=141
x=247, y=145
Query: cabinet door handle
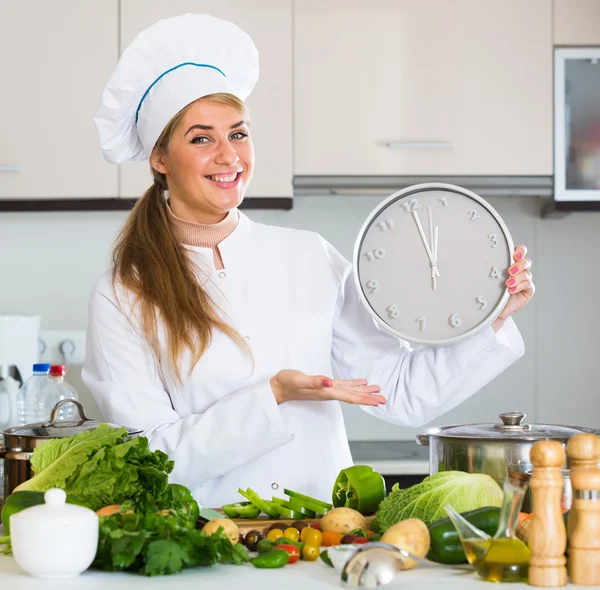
x=419, y=145
x=7, y=169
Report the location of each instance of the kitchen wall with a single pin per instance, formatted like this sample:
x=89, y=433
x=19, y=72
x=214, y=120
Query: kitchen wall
x=50, y=261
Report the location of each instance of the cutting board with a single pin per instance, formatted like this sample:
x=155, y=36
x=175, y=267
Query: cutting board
x=262, y=524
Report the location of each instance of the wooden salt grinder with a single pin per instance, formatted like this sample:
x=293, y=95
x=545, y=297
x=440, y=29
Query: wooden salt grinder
x=584, y=542
x=582, y=450
x=548, y=535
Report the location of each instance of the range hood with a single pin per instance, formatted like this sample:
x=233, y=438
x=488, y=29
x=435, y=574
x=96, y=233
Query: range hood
x=382, y=186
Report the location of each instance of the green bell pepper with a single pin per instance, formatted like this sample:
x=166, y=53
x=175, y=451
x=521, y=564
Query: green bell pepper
x=269, y=508
x=360, y=488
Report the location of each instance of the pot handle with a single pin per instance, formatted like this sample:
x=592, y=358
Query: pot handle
x=62, y=423
x=422, y=439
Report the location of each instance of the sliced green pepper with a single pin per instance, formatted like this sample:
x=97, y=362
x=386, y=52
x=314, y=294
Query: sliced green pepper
x=295, y=505
x=313, y=504
x=325, y=558
x=360, y=488
x=241, y=510
x=265, y=506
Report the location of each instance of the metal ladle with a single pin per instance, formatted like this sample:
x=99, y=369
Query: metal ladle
x=376, y=564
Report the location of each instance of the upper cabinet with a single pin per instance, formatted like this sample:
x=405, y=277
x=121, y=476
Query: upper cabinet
x=56, y=58
x=269, y=24
x=576, y=22
x=402, y=87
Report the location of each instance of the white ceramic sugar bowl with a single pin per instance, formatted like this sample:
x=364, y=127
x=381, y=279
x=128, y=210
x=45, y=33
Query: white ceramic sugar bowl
x=55, y=539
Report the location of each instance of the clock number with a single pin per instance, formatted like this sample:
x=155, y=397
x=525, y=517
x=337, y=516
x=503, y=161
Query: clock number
x=378, y=253
x=494, y=239
x=373, y=285
x=454, y=320
x=495, y=274
x=423, y=323
x=385, y=225
x=444, y=201
x=393, y=311
x=474, y=215
x=411, y=205
x=481, y=302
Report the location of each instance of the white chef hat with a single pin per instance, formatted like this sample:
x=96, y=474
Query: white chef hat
x=165, y=68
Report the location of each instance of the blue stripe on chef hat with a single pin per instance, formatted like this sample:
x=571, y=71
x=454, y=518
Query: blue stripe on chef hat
x=189, y=63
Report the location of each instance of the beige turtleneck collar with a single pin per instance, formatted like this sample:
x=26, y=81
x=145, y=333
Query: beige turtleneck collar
x=202, y=235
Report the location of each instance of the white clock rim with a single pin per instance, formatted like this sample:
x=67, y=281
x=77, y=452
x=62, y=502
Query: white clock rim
x=417, y=188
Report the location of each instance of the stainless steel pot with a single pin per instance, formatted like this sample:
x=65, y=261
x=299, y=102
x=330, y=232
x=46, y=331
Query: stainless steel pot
x=20, y=441
x=493, y=449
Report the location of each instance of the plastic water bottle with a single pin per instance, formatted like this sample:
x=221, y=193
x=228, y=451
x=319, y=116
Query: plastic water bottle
x=66, y=391
x=36, y=398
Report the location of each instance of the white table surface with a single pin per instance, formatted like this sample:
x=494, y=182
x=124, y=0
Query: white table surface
x=299, y=576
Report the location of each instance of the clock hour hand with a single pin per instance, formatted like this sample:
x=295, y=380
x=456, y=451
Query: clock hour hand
x=434, y=269
x=433, y=236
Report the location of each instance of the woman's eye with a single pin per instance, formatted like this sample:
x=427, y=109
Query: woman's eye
x=200, y=139
x=239, y=135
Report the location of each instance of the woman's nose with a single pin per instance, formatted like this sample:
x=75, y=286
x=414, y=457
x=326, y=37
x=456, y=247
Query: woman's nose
x=226, y=154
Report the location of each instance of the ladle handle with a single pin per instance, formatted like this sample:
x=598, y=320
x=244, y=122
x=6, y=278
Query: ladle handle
x=63, y=423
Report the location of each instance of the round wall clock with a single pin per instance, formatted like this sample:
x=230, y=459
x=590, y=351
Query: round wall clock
x=430, y=263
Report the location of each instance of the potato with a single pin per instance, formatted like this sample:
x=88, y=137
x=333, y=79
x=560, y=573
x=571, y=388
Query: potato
x=412, y=535
x=229, y=528
x=343, y=521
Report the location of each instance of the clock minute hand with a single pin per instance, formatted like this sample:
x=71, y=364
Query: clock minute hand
x=432, y=261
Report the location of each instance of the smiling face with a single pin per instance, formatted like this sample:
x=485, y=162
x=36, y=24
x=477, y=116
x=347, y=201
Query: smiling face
x=208, y=161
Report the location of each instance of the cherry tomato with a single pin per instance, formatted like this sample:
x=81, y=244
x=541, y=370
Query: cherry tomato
x=311, y=536
x=274, y=534
x=330, y=539
x=370, y=534
x=291, y=533
x=315, y=525
x=292, y=551
x=347, y=539
x=360, y=541
x=310, y=552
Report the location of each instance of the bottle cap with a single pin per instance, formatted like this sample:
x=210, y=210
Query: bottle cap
x=41, y=368
x=58, y=370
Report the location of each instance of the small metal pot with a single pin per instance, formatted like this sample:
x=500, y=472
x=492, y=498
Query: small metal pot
x=493, y=449
x=20, y=441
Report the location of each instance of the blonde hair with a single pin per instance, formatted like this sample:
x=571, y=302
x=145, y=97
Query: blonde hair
x=151, y=264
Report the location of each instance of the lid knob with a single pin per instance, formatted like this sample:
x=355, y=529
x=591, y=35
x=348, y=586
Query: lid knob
x=512, y=421
x=55, y=497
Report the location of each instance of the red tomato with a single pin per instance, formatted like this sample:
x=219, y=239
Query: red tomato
x=315, y=525
x=360, y=541
x=291, y=550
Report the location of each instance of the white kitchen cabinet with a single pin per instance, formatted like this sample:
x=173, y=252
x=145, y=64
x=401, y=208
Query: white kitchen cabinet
x=402, y=87
x=56, y=58
x=269, y=23
x=576, y=22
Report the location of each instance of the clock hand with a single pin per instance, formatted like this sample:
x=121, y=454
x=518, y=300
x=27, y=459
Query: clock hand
x=433, y=236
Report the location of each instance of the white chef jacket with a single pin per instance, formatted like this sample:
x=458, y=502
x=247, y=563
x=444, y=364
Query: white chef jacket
x=292, y=296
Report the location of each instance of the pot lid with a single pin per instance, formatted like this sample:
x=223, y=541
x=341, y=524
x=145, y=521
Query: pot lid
x=60, y=428
x=510, y=427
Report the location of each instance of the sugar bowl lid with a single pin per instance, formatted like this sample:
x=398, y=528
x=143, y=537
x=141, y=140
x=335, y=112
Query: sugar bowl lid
x=55, y=510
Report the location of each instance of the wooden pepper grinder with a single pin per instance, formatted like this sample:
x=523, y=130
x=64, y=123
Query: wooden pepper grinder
x=584, y=542
x=582, y=450
x=548, y=535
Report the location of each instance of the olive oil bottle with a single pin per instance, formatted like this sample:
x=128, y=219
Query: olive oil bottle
x=504, y=557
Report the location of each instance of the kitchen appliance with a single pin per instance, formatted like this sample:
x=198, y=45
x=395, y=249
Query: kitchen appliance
x=19, y=345
x=20, y=441
x=493, y=449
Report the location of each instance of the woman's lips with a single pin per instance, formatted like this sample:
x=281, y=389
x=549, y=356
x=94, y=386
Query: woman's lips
x=226, y=184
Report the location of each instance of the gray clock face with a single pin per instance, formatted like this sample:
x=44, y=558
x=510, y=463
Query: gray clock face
x=431, y=263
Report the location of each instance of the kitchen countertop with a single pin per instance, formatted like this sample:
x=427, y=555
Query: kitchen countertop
x=299, y=576
x=392, y=457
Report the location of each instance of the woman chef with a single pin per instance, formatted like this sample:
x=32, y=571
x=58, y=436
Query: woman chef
x=218, y=336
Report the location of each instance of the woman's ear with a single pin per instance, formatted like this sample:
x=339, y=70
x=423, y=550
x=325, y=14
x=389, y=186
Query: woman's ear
x=157, y=161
